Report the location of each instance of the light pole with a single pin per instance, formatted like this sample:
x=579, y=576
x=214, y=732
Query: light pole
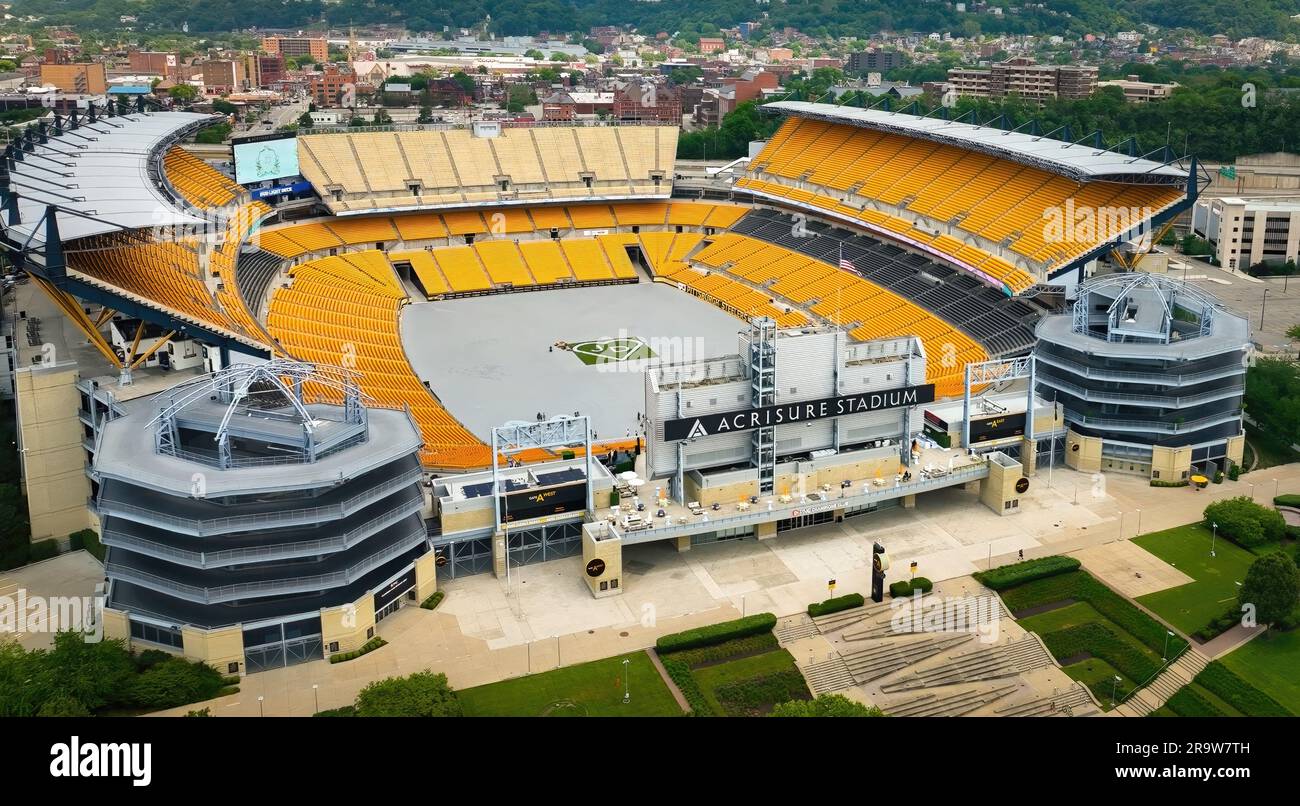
x=1214, y=535
x=1252, y=491
x=1262, y=303
x=1164, y=656
x=1114, y=687
x=1121, y=525
x=1139, y=529
x=315, y=693
x=260, y=710
x=627, y=691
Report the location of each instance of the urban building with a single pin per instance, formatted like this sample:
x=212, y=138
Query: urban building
x=645, y=101
x=1137, y=91
x=77, y=79
x=874, y=60
x=152, y=62
x=292, y=47
x=1245, y=232
x=1024, y=77
x=222, y=76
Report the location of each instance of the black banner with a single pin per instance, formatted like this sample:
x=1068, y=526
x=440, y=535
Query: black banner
x=542, y=501
x=1000, y=427
x=393, y=590
x=711, y=424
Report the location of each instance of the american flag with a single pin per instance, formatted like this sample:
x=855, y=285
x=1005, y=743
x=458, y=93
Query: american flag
x=847, y=264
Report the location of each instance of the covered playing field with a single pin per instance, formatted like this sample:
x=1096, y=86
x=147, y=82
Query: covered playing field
x=488, y=358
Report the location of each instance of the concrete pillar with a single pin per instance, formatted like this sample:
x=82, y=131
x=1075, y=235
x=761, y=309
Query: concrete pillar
x=426, y=577
x=765, y=531
x=909, y=501
x=684, y=543
x=499, y=555
x=1029, y=456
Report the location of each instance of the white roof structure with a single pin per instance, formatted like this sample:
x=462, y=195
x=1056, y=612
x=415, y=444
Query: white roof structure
x=102, y=171
x=1077, y=160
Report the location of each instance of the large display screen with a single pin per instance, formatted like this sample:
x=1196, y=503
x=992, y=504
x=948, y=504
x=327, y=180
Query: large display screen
x=262, y=160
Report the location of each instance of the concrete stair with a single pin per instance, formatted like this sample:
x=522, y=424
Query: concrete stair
x=1073, y=702
x=1168, y=683
x=794, y=628
x=963, y=702
x=989, y=663
x=828, y=676
x=879, y=661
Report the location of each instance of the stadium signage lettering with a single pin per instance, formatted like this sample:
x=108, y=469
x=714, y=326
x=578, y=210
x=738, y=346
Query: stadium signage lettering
x=807, y=411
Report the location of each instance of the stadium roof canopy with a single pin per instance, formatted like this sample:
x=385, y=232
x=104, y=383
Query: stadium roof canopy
x=99, y=176
x=1078, y=161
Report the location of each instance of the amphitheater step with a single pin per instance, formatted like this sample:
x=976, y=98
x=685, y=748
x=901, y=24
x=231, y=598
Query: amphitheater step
x=963, y=702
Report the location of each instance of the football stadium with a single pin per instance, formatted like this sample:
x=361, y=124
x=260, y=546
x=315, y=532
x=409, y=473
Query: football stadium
x=407, y=354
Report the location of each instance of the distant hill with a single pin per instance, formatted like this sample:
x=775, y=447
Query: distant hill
x=1236, y=18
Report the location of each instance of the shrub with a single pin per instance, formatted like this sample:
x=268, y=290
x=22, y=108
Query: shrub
x=1222, y=682
x=42, y=550
x=1234, y=472
x=347, y=710
x=88, y=540
x=1288, y=500
x=367, y=647
x=1246, y=523
x=716, y=633
x=900, y=589
x=1101, y=642
x=433, y=601
x=1009, y=576
x=922, y=584
x=1161, y=483
x=1189, y=702
x=835, y=605
x=421, y=694
x=174, y=681
x=749, y=696
x=825, y=705
x=1271, y=586
x=751, y=645
x=1218, y=477
x=1219, y=625
x=681, y=675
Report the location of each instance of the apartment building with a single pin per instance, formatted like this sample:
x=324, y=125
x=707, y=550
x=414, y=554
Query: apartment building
x=79, y=79
x=293, y=46
x=1026, y=78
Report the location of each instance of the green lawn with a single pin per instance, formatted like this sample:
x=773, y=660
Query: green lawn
x=589, y=689
x=604, y=351
x=1192, y=606
x=1095, y=673
x=1271, y=663
x=710, y=678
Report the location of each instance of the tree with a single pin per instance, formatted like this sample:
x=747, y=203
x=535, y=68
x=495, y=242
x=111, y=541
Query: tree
x=382, y=118
x=1293, y=333
x=466, y=82
x=534, y=53
x=305, y=121
x=825, y=705
x=183, y=93
x=224, y=107
x=421, y=694
x=1272, y=586
x=426, y=114
x=1245, y=522
x=520, y=96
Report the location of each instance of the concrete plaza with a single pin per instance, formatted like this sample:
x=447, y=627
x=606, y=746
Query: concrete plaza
x=486, y=631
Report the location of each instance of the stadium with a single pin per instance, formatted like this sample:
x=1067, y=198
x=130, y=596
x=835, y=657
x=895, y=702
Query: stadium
x=400, y=355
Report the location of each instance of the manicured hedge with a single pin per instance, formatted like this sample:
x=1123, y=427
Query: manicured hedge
x=716, y=633
x=1288, y=500
x=43, y=550
x=1222, y=682
x=922, y=584
x=1189, y=702
x=751, y=645
x=88, y=540
x=368, y=646
x=835, y=605
x=1163, y=483
x=1104, y=643
x=347, y=710
x=746, y=697
x=904, y=587
x=433, y=601
x=1081, y=586
x=1219, y=625
x=1009, y=576
x=681, y=675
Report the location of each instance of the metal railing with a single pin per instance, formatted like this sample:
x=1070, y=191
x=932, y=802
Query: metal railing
x=201, y=527
x=1101, y=395
x=1158, y=378
x=1158, y=426
x=761, y=514
x=281, y=551
x=269, y=587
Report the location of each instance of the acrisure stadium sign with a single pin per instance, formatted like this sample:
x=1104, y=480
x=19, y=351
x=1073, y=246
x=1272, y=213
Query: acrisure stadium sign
x=711, y=424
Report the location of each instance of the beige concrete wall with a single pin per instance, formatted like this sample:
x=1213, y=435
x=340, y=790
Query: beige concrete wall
x=117, y=625
x=725, y=494
x=883, y=467
x=217, y=648
x=767, y=531
x=1082, y=453
x=1029, y=456
x=1236, y=448
x=609, y=552
x=998, y=491
x=348, y=625
x=426, y=577
x=1171, y=464
x=453, y=522
x=53, y=459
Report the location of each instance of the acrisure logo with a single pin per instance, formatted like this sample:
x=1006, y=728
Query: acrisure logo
x=75, y=759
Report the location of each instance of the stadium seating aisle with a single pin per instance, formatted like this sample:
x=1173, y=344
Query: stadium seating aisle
x=344, y=311
x=983, y=195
